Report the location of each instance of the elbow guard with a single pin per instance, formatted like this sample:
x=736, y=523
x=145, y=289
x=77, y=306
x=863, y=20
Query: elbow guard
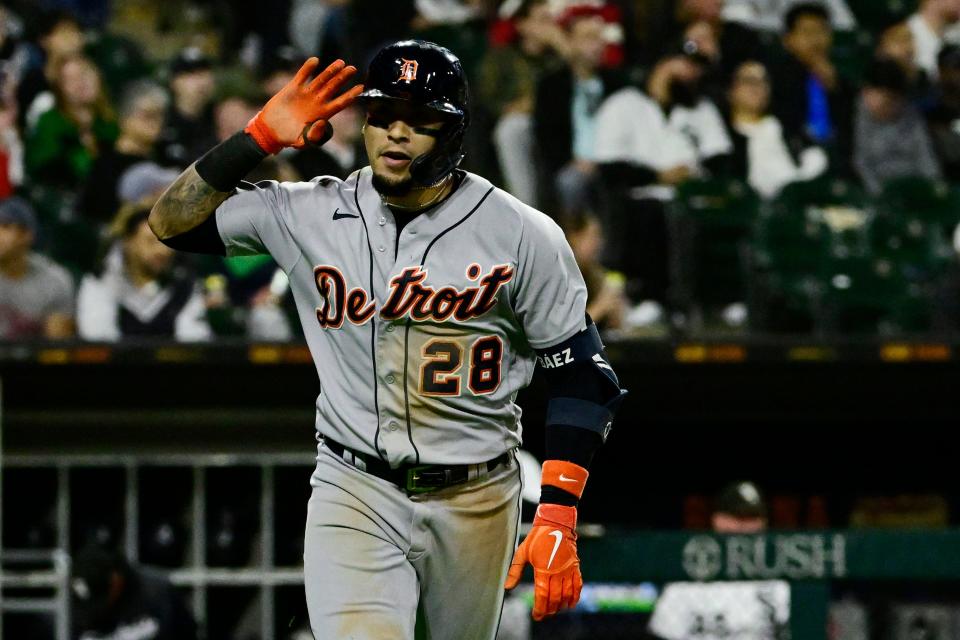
x=584, y=390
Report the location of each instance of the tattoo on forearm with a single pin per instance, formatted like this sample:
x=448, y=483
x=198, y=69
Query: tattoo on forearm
x=184, y=205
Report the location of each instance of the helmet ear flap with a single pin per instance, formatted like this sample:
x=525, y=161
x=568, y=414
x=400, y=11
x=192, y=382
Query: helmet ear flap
x=430, y=168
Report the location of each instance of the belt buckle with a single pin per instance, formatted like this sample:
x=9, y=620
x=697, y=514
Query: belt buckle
x=421, y=480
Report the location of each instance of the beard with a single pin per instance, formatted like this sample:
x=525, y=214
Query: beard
x=386, y=187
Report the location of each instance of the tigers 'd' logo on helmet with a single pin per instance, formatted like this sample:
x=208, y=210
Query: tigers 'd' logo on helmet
x=408, y=70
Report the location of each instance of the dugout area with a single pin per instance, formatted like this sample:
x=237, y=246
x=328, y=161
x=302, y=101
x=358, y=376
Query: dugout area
x=195, y=460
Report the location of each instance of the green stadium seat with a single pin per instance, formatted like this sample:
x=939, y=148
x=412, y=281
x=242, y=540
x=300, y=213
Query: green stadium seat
x=786, y=253
x=919, y=250
x=821, y=192
x=867, y=295
x=932, y=201
x=710, y=220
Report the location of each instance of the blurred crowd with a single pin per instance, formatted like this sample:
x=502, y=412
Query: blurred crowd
x=675, y=141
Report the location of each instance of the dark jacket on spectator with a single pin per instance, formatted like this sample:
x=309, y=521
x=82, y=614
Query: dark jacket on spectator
x=552, y=117
x=789, y=102
x=944, y=125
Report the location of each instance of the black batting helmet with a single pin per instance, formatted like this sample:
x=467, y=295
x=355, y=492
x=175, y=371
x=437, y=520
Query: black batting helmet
x=426, y=74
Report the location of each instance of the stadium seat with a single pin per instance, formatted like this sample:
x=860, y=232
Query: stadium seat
x=868, y=295
x=932, y=201
x=821, y=192
x=709, y=222
x=786, y=253
x=918, y=249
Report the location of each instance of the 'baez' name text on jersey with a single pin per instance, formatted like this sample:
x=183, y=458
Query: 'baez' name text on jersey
x=554, y=360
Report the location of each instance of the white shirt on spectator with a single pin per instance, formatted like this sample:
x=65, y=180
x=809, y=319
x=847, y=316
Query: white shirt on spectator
x=101, y=298
x=722, y=610
x=768, y=15
x=927, y=43
x=770, y=167
x=631, y=127
x=703, y=126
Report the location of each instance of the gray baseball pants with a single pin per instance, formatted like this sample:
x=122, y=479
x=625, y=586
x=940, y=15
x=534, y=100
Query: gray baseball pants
x=374, y=556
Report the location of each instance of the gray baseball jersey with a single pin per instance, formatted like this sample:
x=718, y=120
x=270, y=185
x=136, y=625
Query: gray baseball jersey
x=422, y=341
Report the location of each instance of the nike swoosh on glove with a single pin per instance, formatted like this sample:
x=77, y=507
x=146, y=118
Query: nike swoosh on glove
x=551, y=547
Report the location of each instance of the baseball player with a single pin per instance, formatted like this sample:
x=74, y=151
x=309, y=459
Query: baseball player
x=427, y=296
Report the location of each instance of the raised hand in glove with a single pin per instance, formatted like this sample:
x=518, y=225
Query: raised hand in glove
x=298, y=113
x=551, y=547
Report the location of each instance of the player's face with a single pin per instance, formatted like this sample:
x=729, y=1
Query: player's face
x=396, y=133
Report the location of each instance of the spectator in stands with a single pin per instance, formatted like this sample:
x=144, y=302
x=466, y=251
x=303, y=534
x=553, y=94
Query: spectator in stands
x=703, y=21
x=944, y=117
x=757, y=609
x=113, y=599
x=36, y=294
x=761, y=156
x=144, y=181
x=11, y=144
x=606, y=302
x=739, y=508
x=188, y=131
x=139, y=292
x=676, y=83
x=565, y=107
x=508, y=79
x=890, y=138
x=61, y=149
x=768, y=15
x=278, y=68
x=810, y=98
x=59, y=36
x=895, y=42
x=141, y=114
x=930, y=25
x=640, y=157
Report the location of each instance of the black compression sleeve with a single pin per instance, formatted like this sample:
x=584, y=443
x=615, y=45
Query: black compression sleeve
x=203, y=238
x=224, y=166
x=571, y=443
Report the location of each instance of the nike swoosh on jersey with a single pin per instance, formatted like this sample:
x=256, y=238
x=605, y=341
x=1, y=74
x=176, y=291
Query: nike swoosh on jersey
x=564, y=478
x=340, y=216
x=556, y=533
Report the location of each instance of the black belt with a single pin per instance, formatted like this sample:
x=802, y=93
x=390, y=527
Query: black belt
x=415, y=478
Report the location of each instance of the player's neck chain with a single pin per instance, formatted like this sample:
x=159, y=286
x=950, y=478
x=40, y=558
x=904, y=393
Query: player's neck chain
x=443, y=188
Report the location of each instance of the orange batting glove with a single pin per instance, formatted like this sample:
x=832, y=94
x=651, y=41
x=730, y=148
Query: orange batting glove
x=551, y=547
x=299, y=112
